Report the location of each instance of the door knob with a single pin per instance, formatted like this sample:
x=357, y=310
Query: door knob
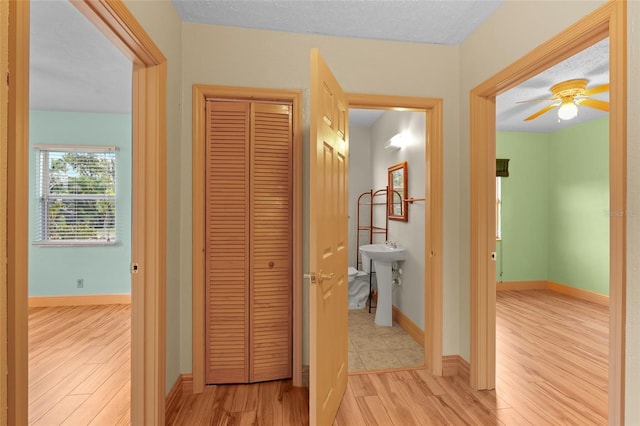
x=318, y=278
x=324, y=276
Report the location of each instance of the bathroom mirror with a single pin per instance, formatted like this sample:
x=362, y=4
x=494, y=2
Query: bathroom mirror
x=397, y=195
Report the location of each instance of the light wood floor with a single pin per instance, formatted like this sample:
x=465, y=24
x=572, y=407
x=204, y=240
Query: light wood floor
x=552, y=357
x=551, y=370
x=79, y=365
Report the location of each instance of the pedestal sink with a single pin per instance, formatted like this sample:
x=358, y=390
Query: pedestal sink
x=383, y=255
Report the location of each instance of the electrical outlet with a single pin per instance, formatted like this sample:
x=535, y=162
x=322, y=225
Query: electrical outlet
x=80, y=283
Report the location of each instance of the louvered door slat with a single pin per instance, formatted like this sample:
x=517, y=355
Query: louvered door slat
x=271, y=212
x=227, y=243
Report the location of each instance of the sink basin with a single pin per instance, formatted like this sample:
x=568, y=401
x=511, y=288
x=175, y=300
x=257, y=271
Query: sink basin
x=383, y=252
x=383, y=256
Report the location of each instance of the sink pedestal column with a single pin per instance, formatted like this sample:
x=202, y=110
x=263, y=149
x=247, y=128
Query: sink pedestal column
x=383, y=307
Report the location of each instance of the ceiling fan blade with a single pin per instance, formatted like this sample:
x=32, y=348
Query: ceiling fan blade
x=535, y=100
x=593, y=103
x=597, y=89
x=542, y=111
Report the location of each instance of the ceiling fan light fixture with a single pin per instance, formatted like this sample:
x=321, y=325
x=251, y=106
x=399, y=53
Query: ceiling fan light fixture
x=568, y=110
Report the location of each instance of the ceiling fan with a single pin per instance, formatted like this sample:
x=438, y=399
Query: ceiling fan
x=568, y=95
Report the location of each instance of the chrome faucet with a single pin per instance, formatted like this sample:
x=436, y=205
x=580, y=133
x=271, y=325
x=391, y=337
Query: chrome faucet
x=391, y=244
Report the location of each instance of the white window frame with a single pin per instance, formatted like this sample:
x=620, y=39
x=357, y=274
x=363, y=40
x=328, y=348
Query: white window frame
x=43, y=195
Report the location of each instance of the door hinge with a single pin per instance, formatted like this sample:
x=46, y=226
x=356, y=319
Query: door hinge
x=134, y=268
x=8, y=78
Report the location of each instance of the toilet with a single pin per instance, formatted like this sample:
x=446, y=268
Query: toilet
x=358, y=288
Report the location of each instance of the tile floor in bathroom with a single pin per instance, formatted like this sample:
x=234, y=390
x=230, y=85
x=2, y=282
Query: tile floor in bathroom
x=372, y=347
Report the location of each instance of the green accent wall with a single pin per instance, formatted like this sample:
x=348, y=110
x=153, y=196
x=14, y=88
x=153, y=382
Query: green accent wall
x=522, y=252
x=555, y=222
x=578, y=206
x=54, y=271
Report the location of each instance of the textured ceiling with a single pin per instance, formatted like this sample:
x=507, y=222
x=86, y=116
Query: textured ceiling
x=74, y=67
x=591, y=64
x=432, y=21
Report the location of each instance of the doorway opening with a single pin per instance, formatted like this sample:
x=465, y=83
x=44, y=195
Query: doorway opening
x=608, y=21
x=148, y=218
x=391, y=336
x=428, y=112
x=552, y=266
x=80, y=222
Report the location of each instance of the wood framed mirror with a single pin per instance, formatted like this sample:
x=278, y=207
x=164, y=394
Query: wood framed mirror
x=397, y=194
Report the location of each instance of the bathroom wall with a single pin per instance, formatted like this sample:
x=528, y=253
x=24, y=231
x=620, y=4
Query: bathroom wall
x=359, y=180
x=54, y=271
x=409, y=296
x=555, y=223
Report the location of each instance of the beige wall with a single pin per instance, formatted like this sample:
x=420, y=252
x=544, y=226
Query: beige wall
x=163, y=24
x=242, y=57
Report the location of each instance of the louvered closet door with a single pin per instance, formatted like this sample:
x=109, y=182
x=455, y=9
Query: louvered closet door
x=271, y=208
x=248, y=242
x=227, y=243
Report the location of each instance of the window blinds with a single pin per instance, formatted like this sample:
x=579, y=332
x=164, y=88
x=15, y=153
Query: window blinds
x=76, y=195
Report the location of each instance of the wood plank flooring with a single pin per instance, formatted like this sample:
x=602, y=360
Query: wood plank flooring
x=552, y=357
x=80, y=365
x=552, y=370
x=267, y=403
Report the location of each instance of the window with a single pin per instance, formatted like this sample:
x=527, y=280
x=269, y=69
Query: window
x=76, y=195
x=498, y=208
x=502, y=170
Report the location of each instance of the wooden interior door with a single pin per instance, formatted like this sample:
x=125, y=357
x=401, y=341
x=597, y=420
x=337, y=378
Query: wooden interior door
x=227, y=242
x=271, y=241
x=248, y=242
x=328, y=297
